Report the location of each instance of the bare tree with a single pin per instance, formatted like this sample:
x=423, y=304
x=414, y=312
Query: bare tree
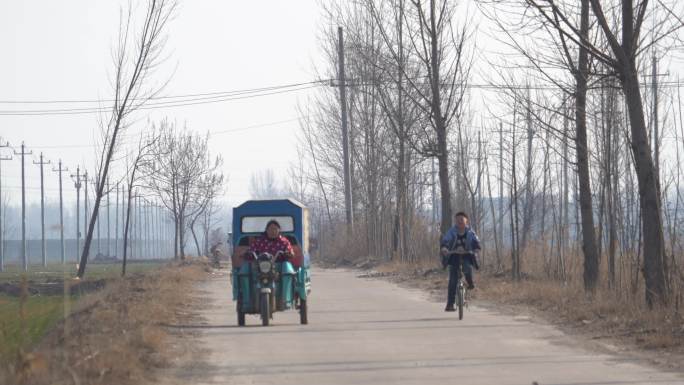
x=441, y=50
x=181, y=172
x=263, y=184
x=137, y=54
x=204, y=193
x=135, y=181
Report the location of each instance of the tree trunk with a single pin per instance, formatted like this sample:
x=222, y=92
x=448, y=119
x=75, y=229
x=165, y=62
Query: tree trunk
x=400, y=218
x=588, y=236
x=655, y=263
x=126, y=228
x=439, y=124
x=194, y=237
x=181, y=237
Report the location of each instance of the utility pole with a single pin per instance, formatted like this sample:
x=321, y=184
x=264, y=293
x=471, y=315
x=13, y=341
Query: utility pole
x=24, y=256
x=2, y=222
x=139, y=229
x=85, y=203
x=434, y=193
x=108, y=221
x=116, y=224
x=77, y=185
x=656, y=141
x=160, y=233
x=134, y=225
x=60, y=170
x=152, y=231
x=124, y=236
x=155, y=230
x=345, y=136
x=147, y=229
x=42, y=208
x=97, y=223
x=477, y=216
x=501, y=187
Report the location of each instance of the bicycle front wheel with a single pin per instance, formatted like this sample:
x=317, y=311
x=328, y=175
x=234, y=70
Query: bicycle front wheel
x=461, y=300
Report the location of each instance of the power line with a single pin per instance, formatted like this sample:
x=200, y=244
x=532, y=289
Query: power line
x=162, y=104
x=224, y=96
x=215, y=132
x=204, y=94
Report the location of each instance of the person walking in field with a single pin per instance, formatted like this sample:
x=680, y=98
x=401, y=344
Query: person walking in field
x=459, y=247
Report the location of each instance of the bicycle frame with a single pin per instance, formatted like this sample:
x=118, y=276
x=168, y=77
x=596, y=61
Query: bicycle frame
x=461, y=289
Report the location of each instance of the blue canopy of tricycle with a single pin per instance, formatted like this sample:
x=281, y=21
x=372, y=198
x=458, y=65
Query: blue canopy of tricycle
x=270, y=208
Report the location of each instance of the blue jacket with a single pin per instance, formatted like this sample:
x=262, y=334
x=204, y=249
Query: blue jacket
x=449, y=239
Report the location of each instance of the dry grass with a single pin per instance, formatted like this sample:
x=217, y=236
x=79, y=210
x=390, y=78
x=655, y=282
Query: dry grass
x=115, y=336
x=606, y=315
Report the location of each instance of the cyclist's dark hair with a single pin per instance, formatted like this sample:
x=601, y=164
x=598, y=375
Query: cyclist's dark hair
x=461, y=213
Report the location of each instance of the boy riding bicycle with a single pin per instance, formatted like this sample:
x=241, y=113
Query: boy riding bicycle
x=459, y=246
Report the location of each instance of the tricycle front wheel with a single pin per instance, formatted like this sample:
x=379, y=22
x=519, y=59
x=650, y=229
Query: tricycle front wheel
x=265, y=309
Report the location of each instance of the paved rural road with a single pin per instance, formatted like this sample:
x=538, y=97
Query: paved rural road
x=365, y=331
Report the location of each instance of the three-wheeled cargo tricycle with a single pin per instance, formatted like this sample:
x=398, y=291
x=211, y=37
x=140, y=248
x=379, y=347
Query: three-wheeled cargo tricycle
x=266, y=283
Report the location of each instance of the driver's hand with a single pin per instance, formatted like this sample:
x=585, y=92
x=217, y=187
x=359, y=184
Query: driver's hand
x=444, y=251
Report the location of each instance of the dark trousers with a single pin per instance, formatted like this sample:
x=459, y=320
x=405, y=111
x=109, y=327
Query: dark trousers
x=455, y=274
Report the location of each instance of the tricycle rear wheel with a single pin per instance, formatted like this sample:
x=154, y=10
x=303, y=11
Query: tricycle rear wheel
x=303, y=312
x=240, y=313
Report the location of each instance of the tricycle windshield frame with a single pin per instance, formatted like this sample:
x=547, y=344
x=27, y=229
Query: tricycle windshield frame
x=257, y=224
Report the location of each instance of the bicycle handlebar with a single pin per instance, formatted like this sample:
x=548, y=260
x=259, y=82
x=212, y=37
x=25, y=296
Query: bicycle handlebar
x=460, y=252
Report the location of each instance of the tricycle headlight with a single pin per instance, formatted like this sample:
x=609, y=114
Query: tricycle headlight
x=265, y=266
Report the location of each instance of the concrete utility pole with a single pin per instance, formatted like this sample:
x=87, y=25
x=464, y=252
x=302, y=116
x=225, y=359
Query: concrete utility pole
x=109, y=238
x=60, y=170
x=345, y=136
x=97, y=223
x=147, y=229
x=477, y=216
x=24, y=256
x=501, y=186
x=77, y=185
x=2, y=222
x=434, y=192
x=656, y=135
x=134, y=224
x=139, y=228
x=160, y=233
x=42, y=208
x=85, y=204
x=116, y=224
x=124, y=237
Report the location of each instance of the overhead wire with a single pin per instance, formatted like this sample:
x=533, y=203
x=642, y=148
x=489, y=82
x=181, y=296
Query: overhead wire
x=171, y=101
x=211, y=132
x=182, y=100
x=214, y=93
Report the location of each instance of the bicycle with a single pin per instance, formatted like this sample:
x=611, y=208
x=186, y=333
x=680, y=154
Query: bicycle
x=462, y=288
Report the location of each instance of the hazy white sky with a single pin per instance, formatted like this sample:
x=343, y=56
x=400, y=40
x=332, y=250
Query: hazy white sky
x=62, y=51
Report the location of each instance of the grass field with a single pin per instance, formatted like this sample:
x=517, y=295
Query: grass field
x=94, y=271
x=41, y=312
